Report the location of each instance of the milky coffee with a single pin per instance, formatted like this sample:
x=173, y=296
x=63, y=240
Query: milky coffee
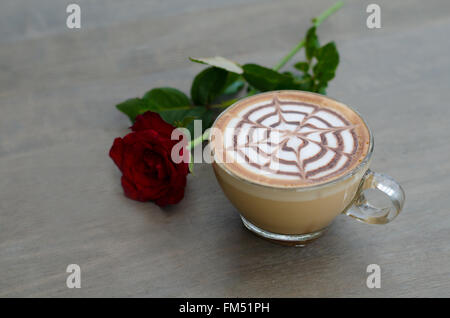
x=290, y=161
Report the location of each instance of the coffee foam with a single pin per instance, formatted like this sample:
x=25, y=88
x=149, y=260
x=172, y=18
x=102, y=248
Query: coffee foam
x=289, y=139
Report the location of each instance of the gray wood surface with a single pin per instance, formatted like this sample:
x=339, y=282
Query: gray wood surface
x=60, y=196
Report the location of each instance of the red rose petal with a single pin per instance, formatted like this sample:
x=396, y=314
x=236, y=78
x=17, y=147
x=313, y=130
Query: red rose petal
x=116, y=152
x=153, y=121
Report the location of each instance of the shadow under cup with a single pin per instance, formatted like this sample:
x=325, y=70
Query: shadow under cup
x=296, y=216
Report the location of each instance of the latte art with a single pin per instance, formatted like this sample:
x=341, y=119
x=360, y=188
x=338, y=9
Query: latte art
x=306, y=141
x=291, y=141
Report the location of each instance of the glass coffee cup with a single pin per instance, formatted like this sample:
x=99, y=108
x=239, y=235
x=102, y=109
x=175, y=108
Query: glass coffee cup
x=297, y=215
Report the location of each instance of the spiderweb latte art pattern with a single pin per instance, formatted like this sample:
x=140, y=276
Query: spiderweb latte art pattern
x=292, y=140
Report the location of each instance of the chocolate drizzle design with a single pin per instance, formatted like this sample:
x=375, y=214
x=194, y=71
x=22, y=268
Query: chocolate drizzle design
x=295, y=139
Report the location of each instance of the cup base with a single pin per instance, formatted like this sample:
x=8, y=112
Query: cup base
x=295, y=240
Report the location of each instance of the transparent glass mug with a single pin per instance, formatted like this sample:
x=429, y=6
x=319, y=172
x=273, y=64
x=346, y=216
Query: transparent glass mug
x=295, y=216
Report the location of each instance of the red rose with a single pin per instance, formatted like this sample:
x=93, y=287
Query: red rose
x=144, y=158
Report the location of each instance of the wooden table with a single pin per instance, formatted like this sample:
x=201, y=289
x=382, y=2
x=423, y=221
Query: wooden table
x=60, y=196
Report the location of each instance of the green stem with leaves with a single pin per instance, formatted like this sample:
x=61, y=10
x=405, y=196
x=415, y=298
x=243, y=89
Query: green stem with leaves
x=317, y=22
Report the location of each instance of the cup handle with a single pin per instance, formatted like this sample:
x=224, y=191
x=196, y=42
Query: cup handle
x=361, y=208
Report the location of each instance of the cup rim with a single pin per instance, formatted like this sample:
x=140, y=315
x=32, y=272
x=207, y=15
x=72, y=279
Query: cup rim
x=346, y=176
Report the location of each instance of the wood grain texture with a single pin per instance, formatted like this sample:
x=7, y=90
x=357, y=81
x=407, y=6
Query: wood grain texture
x=60, y=196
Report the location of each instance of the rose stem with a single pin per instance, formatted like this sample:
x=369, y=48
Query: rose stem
x=316, y=21
x=192, y=144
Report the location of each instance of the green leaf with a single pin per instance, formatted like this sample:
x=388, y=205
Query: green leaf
x=166, y=97
x=266, y=79
x=305, y=82
x=312, y=43
x=322, y=89
x=234, y=84
x=302, y=66
x=177, y=116
x=327, y=62
x=185, y=122
x=288, y=73
x=220, y=62
x=133, y=107
x=173, y=106
x=234, y=87
x=157, y=100
x=208, y=84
